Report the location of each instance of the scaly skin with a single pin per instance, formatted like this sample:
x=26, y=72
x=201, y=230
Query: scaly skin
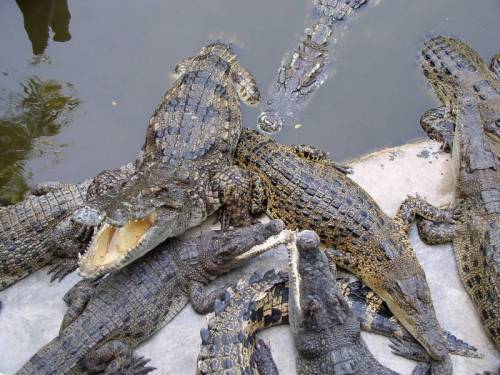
x=325, y=330
x=375, y=317
x=229, y=345
x=308, y=192
x=35, y=233
x=262, y=302
x=109, y=317
x=470, y=94
x=304, y=69
x=184, y=171
x=38, y=231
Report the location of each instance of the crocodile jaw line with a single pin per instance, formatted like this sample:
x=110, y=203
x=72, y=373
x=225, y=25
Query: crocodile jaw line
x=283, y=238
x=111, y=245
x=295, y=279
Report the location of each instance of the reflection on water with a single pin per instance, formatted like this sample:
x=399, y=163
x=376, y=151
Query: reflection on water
x=40, y=110
x=39, y=15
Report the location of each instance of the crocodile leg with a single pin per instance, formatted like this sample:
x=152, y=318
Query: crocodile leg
x=413, y=206
x=409, y=350
x=316, y=154
x=436, y=233
x=115, y=358
x=61, y=267
x=495, y=65
x=202, y=301
x=68, y=240
x=76, y=299
x=235, y=191
x=264, y=359
x=43, y=188
x=342, y=259
x=439, y=126
x=417, y=353
x=245, y=84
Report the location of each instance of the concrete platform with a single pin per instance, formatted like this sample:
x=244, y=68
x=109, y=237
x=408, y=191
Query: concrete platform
x=33, y=308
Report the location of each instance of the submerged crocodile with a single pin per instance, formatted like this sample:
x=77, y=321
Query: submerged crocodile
x=38, y=231
x=469, y=125
x=184, y=171
x=304, y=70
x=325, y=330
x=308, y=191
x=110, y=316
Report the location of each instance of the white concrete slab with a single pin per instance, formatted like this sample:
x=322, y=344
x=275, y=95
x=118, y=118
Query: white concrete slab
x=33, y=308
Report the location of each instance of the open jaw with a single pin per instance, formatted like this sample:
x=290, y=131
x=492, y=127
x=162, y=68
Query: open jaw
x=113, y=247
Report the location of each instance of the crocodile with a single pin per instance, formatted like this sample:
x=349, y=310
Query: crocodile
x=38, y=231
x=468, y=125
x=229, y=345
x=184, y=171
x=326, y=332
x=375, y=317
x=305, y=69
x=302, y=187
x=108, y=317
x=261, y=302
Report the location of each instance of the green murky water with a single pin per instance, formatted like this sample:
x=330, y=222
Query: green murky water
x=79, y=79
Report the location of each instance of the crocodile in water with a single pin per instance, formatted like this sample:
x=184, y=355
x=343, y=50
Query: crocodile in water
x=307, y=191
x=184, y=171
x=468, y=124
x=304, y=70
x=109, y=317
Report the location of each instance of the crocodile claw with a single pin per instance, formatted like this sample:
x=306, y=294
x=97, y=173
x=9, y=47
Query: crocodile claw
x=408, y=350
x=134, y=365
x=84, y=234
x=60, y=268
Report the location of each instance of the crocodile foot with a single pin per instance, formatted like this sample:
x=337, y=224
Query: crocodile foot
x=61, y=267
x=129, y=365
x=408, y=350
x=43, y=188
x=116, y=358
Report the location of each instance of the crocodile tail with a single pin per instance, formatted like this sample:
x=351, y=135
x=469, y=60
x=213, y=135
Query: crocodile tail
x=63, y=353
x=229, y=344
x=459, y=347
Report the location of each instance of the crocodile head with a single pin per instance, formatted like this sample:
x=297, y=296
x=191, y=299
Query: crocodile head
x=225, y=250
x=402, y=284
x=320, y=318
x=130, y=222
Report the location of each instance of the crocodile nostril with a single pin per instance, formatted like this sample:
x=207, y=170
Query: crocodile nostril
x=307, y=240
